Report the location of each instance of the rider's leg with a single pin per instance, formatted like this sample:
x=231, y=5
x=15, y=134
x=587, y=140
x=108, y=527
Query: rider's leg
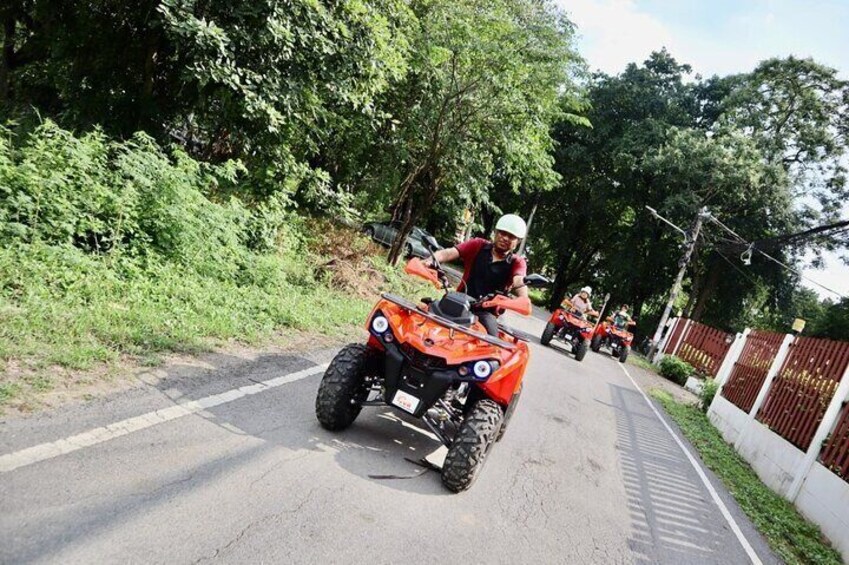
x=489, y=321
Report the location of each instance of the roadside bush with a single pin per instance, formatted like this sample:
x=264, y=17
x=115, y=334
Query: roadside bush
x=708, y=392
x=130, y=197
x=675, y=369
x=120, y=247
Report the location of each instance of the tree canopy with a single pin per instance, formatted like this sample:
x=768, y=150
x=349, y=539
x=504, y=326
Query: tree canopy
x=428, y=110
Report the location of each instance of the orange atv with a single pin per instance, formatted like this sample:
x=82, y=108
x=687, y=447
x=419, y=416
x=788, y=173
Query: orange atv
x=436, y=362
x=617, y=339
x=570, y=326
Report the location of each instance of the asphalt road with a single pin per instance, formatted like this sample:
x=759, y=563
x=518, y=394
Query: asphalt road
x=587, y=473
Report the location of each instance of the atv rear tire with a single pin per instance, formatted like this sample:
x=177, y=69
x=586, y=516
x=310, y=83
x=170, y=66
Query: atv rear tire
x=467, y=453
x=342, y=392
x=595, y=344
x=547, y=334
x=509, y=414
x=581, y=350
x=623, y=354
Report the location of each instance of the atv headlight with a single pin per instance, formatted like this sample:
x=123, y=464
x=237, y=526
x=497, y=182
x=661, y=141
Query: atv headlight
x=379, y=324
x=483, y=369
x=586, y=330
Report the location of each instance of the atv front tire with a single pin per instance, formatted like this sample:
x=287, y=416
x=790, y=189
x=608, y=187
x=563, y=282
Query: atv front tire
x=467, y=453
x=547, y=334
x=342, y=391
x=581, y=350
x=595, y=344
x=623, y=354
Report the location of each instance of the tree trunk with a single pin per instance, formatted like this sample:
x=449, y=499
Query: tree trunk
x=418, y=203
x=562, y=280
x=6, y=58
x=711, y=280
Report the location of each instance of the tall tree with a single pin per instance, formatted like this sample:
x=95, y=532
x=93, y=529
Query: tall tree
x=484, y=90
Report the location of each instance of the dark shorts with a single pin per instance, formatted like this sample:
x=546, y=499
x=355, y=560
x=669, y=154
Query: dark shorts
x=489, y=321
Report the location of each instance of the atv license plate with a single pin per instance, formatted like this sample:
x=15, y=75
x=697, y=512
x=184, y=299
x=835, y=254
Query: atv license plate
x=406, y=402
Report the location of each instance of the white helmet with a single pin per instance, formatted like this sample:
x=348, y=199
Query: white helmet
x=513, y=224
x=588, y=290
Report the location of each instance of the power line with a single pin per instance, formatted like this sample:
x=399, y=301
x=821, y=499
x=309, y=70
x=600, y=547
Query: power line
x=752, y=247
x=738, y=269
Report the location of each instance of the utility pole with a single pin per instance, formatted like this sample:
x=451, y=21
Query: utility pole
x=690, y=237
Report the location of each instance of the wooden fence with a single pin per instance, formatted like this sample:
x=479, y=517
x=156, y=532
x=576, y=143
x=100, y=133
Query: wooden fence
x=749, y=372
x=803, y=388
x=704, y=347
x=835, y=453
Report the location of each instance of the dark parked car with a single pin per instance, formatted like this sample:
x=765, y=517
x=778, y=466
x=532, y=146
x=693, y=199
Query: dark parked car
x=385, y=233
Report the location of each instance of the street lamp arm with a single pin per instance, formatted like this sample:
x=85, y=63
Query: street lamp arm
x=664, y=220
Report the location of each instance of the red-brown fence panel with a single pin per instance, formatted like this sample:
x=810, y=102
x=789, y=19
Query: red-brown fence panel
x=673, y=340
x=803, y=388
x=705, y=347
x=750, y=370
x=835, y=454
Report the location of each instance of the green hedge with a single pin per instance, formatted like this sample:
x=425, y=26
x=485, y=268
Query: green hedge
x=675, y=369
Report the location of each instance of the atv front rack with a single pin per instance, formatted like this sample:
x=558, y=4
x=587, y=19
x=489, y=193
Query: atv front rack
x=407, y=305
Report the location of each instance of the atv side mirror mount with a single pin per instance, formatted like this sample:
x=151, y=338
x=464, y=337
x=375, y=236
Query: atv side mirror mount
x=536, y=281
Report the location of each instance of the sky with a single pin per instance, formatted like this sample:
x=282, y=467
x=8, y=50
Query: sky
x=718, y=37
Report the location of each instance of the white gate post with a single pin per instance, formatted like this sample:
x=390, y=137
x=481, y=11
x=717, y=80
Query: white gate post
x=829, y=419
x=684, y=333
x=731, y=358
x=665, y=339
x=770, y=376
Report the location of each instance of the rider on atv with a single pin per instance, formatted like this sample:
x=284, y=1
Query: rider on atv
x=491, y=266
x=622, y=319
x=580, y=303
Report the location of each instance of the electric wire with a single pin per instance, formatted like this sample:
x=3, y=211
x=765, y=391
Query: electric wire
x=771, y=258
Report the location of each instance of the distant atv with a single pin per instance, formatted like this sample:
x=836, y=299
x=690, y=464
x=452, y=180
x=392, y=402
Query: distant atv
x=571, y=327
x=617, y=339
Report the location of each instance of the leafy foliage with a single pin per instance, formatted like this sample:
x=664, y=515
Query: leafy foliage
x=675, y=369
x=707, y=394
x=114, y=248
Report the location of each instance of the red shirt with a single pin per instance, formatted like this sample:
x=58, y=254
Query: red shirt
x=469, y=250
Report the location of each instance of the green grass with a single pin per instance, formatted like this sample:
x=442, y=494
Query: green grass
x=792, y=537
x=59, y=306
x=643, y=363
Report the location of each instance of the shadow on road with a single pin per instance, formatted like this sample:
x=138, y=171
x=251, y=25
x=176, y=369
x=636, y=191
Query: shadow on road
x=672, y=521
x=376, y=444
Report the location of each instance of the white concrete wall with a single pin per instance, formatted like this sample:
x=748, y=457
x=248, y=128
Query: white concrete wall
x=824, y=499
x=819, y=494
x=773, y=458
x=727, y=418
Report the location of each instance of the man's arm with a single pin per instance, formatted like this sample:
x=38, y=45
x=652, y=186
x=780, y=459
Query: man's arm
x=519, y=286
x=446, y=255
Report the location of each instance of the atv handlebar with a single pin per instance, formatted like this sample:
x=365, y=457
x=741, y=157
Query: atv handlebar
x=520, y=304
x=436, y=276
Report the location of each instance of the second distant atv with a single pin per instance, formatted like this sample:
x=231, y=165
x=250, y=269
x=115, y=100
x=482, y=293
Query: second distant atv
x=571, y=327
x=617, y=339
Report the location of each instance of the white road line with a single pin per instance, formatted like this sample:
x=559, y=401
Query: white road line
x=44, y=451
x=722, y=508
